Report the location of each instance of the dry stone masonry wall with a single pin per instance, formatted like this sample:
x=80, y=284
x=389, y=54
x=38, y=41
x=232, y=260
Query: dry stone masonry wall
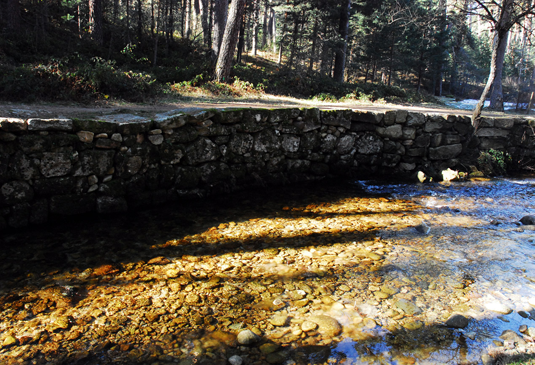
x=60, y=167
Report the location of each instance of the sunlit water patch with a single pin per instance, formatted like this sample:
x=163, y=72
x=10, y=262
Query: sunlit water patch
x=347, y=273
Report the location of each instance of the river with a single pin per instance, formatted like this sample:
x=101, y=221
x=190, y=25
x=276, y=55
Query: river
x=346, y=272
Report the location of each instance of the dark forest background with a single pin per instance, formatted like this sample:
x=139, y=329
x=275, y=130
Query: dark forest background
x=139, y=50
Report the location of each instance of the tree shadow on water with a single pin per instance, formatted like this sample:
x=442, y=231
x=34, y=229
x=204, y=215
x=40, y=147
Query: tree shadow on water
x=124, y=265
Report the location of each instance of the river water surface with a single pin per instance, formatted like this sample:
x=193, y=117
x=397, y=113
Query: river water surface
x=351, y=272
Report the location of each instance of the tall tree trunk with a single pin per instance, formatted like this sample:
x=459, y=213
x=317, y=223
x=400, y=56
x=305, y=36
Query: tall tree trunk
x=95, y=21
x=171, y=23
x=220, y=20
x=79, y=20
x=256, y=15
x=496, y=62
x=273, y=26
x=496, y=96
x=314, y=43
x=324, y=51
x=283, y=35
x=230, y=38
x=156, y=34
x=241, y=39
x=293, y=47
x=341, y=50
x=188, y=18
x=13, y=15
x=391, y=63
x=532, y=91
x=139, y=20
x=128, y=21
x=204, y=21
x=265, y=26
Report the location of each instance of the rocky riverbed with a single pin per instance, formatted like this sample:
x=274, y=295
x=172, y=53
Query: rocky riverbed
x=316, y=274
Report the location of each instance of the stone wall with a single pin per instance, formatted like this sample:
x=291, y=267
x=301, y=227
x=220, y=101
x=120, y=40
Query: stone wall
x=66, y=167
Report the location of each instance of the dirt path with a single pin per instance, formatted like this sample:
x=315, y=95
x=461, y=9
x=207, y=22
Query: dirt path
x=64, y=110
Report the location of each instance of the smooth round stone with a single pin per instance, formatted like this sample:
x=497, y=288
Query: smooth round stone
x=498, y=307
x=370, y=323
x=344, y=287
x=172, y=273
x=523, y=328
x=381, y=295
x=457, y=321
x=528, y=220
x=62, y=322
x=192, y=298
x=247, y=337
x=486, y=359
x=413, y=325
x=509, y=335
x=531, y=332
x=389, y=290
x=275, y=358
x=301, y=303
x=279, y=320
x=235, y=360
x=228, y=339
x=338, y=306
x=327, y=326
x=408, y=307
x=268, y=348
x=308, y=326
x=523, y=314
x=9, y=341
x=374, y=256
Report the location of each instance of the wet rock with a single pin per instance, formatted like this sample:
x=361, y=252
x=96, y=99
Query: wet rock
x=235, y=360
x=528, y=220
x=498, y=307
x=279, y=320
x=275, y=358
x=109, y=204
x=229, y=339
x=457, y=321
x=509, y=335
x=327, y=326
x=408, y=307
x=423, y=228
x=247, y=337
x=151, y=317
x=192, y=298
x=486, y=359
x=307, y=326
x=269, y=348
x=369, y=323
x=413, y=324
x=450, y=175
x=160, y=260
x=531, y=332
x=9, y=341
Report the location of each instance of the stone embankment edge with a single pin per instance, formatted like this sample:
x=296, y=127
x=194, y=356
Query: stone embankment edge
x=58, y=167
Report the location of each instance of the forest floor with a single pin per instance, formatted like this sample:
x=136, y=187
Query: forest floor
x=100, y=108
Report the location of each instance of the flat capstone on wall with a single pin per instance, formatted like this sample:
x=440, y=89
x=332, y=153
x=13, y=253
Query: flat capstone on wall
x=55, y=167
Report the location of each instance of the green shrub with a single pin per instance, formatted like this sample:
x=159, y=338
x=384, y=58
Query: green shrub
x=494, y=162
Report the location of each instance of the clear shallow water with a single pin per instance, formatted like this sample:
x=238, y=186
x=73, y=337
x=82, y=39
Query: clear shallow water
x=469, y=104
x=345, y=242
x=475, y=233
